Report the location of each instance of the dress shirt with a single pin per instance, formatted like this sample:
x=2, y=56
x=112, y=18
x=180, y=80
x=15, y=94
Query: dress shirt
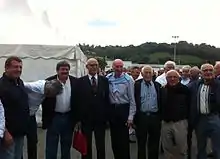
x=185, y=81
x=96, y=78
x=204, y=101
x=35, y=92
x=124, y=96
x=2, y=120
x=63, y=99
x=162, y=79
x=148, y=97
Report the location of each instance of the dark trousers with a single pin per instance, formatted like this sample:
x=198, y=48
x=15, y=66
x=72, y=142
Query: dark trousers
x=120, y=132
x=99, y=133
x=32, y=138
x=148, y=128
x=61, y=129
x=189, y=141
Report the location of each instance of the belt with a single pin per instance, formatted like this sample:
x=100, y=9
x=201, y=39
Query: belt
x=65, y=113
x=119, y=105
x=150, y=113
x=210, y=114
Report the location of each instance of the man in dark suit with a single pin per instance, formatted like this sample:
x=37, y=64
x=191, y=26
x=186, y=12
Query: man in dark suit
x=59, y=114
x=147, y=118
x=93, y=91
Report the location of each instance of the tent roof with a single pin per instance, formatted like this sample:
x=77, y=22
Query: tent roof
x=41, y=51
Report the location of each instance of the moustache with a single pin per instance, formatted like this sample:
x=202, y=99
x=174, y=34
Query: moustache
x=64, y=73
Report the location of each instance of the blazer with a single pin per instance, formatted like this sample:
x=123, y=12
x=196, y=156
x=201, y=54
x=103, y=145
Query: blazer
x=48, y=105
x=137, y=95
x=214, y=100
x=93, y=107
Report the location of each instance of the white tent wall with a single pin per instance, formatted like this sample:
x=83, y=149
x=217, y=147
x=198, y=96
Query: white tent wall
x=39, y=61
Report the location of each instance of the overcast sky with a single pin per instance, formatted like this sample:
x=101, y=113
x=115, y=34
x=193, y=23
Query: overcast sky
x=122, y=22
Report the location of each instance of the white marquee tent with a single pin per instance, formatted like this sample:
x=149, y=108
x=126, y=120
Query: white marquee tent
x=27, y=33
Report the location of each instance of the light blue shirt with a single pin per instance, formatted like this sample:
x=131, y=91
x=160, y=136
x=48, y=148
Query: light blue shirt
x=148, y=97
x=35, y=92
x=124, y=96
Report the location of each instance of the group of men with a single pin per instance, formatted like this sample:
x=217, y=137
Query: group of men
x=163, y=110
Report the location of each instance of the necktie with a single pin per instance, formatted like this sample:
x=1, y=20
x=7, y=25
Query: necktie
x=94, y=84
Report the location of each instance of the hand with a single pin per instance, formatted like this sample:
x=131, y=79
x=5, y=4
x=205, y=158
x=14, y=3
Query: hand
x=129, y=123
x=7, y=139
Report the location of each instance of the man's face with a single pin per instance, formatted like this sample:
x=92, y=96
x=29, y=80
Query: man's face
x=14, y=70
x=63, y=72
x=169, y=67
x=92, y=67
x=172, y=78
x=217, y=70
x=135, y=73
x=118, y=67
x=208, y=72
x=185, y=73
x=194, y=74
x=147, y=74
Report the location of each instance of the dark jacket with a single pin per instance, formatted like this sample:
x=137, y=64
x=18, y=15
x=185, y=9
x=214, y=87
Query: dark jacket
x=15, y=102
x=93, y=107
x=137, y=95
x=214, y=100
x=175, y=102
x=48, y=105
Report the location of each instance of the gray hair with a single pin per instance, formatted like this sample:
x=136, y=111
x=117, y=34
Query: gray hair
x=147, y=67
x=170, y=63
x=186, y=67
x=205, y=65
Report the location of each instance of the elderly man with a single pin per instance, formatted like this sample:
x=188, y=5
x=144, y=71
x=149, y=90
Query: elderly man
x=59, y=114
x=204, y=111
x=194, y=74
x=123, y=108
x=175, y=104
x=169, y=65
x=217, y=70
x=37, y=91
x=2, y=122
x=185, y=78
x=147, y=118
x=93, y=93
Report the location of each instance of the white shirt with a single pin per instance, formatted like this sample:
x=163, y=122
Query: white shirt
x=63, y=99
x=2, y=120
x=35, y=95
x=185, y=81
x=96, y=78
x=204, y=95
x=162, y=79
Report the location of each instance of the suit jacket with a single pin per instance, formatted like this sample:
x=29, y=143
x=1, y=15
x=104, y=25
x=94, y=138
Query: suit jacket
x=214, y=100
x=137, y=95
x=93, y=107
x=48, y=105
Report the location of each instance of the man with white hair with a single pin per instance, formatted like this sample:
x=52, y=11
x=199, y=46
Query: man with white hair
x=147, y=118
x=204, y=111
x=123, y=108
x=169, y=65
x=175, y=101
x=185, y=79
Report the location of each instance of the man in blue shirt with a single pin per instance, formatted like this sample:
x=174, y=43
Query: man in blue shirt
x=123, y=108
x=147, y=118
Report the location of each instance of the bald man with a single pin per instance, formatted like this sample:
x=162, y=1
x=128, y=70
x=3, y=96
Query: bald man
x=147, y=117
x=123, y=107
x=175, y=100
x=93, y=93
x=204, y=111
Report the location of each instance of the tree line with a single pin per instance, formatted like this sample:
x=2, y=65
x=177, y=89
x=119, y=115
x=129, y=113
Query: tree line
x=156, y=53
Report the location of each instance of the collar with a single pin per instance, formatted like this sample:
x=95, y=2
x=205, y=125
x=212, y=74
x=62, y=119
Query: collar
x=14, y=81
x=90, y=76
x=68, y=80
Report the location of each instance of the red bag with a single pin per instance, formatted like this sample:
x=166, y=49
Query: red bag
x=79, y=142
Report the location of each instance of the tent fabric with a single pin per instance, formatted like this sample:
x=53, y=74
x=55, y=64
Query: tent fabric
x=39, y=61
x=41, y=51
